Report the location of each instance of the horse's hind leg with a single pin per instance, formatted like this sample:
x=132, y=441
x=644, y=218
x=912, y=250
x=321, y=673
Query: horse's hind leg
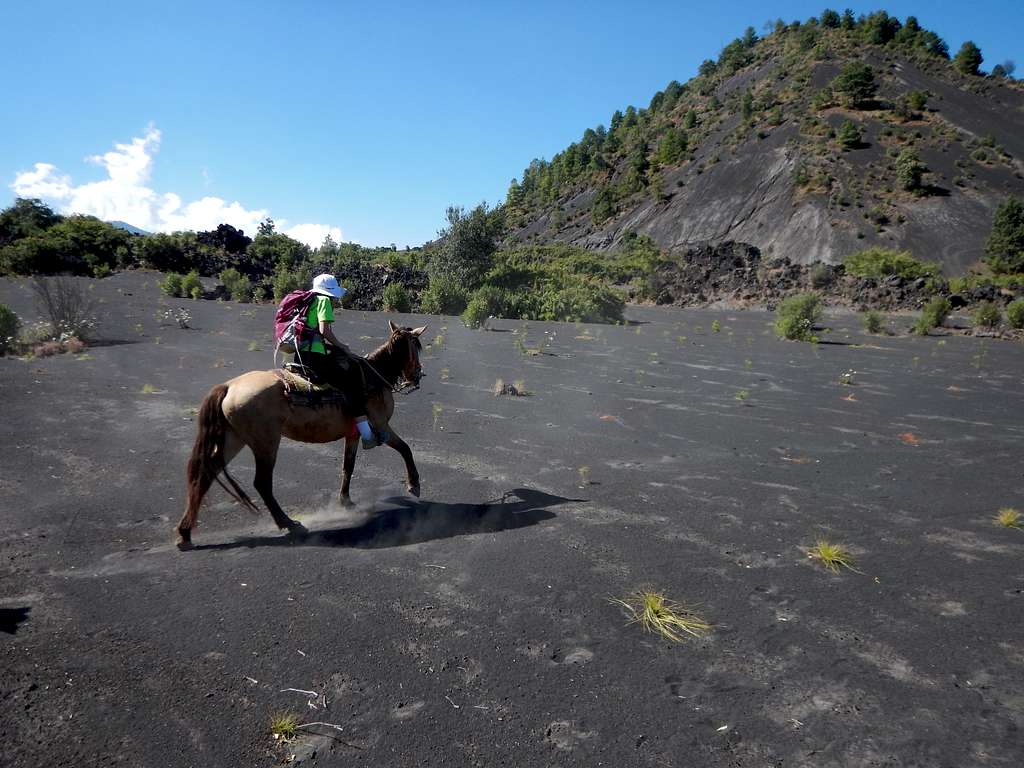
x=412, y=476
x=200, y=486
x=351, y=449
x=266, y=458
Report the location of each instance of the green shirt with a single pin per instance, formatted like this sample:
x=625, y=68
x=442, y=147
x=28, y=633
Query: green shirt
x=321, y=309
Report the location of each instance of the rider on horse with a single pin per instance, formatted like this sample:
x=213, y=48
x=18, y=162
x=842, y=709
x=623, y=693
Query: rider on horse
x=331, y=361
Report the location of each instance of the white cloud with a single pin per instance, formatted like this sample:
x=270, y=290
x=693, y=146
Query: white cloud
x=313, y=234
x=125, y=195
x=42, y=182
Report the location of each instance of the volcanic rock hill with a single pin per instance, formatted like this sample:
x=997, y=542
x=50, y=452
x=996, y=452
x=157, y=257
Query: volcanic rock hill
x=760, y=160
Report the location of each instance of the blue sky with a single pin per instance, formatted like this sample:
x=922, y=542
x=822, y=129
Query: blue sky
x=342, y=116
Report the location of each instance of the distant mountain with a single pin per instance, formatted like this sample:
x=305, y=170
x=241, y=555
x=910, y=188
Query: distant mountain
x=816, y=141
x=129, y=227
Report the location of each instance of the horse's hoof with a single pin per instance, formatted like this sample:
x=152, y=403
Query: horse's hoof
x=184, y=546
x=347, y=503
x=184, y=540
x=414, y=490
x=298, y=531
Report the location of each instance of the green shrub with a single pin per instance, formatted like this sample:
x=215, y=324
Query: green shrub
x=475, y=314
x=986, y=315
x=396, y=298
x=882, y=262
x=1013, y=281
x=9, y=326
x=191, y=285
x=444, y=296
x=821, y=275
x=796, y=316
x=874, y=322
x=582, y=303
x=1015, y=313
x=238, y=286
x=285, y=281
x=171, y=285
x=933, y=315
x=917, y=100
x=487, y=301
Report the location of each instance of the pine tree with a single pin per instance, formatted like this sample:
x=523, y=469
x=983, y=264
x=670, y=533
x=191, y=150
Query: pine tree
x=910, y=170
x=968, y=58
x=604, y=205
x=672, y=147
x=1005, y=249
x=849, y=135
x=747, y=105
x=855, y=83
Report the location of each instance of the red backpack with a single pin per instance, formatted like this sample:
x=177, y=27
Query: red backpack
x=290, y=329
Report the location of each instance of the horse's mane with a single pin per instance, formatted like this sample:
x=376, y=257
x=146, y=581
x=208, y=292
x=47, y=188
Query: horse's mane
x=383, y=359
x=385, y=349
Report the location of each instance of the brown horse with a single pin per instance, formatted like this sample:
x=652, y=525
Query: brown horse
x=253, y=410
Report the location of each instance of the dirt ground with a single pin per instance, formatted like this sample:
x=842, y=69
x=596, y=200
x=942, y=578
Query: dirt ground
x=473, y=627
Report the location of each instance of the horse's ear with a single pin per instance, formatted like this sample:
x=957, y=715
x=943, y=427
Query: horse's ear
x=419, y=331
x=394, y=328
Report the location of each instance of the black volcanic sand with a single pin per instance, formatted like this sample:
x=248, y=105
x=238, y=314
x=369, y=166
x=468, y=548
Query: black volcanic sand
x=473, y=627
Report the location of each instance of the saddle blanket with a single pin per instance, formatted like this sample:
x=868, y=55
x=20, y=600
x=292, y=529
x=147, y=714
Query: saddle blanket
x=301, y=391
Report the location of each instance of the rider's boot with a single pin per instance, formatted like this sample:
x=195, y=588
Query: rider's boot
x=370, y=437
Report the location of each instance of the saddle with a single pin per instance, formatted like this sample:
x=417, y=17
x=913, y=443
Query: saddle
x=302, y=388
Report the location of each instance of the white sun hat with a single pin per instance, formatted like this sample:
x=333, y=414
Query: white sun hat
x=327, y=285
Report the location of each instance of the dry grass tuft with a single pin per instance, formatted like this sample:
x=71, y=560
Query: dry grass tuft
x=656, y=613
x=516, y=389
x=832, y=556
x=1008, y=517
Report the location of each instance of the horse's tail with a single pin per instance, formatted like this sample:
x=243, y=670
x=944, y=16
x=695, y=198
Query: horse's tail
x=206, y=463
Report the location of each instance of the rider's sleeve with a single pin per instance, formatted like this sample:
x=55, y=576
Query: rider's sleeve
x=324, y=310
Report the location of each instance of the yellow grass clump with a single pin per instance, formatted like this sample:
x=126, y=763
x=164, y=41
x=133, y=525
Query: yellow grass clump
x=656, y=613
x=284, y=726
x=832, y=556
x=1009, y=518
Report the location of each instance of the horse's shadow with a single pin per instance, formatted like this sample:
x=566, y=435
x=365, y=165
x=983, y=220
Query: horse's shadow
x=404, y=521
x=11, y=618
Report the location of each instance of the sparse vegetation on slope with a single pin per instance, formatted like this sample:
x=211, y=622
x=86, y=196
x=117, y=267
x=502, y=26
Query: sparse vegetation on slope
x=850, y=106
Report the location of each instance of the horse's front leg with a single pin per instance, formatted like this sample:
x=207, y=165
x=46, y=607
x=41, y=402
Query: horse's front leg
x=351, y=449
x=412, y=476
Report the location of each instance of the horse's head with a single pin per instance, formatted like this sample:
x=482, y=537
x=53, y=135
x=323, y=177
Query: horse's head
x=406, y=345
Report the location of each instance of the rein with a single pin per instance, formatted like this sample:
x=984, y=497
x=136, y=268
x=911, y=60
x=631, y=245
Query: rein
x=404, y=389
